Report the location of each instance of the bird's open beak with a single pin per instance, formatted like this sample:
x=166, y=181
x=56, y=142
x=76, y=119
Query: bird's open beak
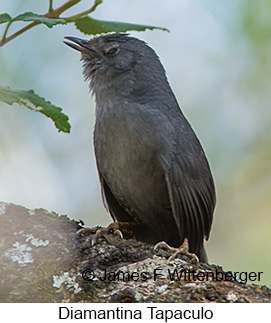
x=77, y=43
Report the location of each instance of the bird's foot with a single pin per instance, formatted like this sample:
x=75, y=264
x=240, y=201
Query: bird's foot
x=114, y=232
x=183, y=250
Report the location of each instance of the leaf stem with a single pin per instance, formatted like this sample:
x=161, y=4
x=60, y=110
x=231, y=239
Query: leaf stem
x=6, y=30
x=50, y=5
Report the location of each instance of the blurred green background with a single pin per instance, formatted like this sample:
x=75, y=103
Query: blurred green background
x=217, y=59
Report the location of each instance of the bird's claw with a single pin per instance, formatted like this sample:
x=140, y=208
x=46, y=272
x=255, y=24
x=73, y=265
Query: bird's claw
x=86, y=231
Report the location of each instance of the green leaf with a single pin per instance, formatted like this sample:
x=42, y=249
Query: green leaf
x=92, y=26
x=30, y=16
x=4, y=17
x=36, y=103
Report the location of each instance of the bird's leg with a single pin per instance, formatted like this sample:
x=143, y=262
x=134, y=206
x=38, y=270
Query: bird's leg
x=183, y=250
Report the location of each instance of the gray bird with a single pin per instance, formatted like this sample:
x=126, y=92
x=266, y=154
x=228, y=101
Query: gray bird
x=152, y=168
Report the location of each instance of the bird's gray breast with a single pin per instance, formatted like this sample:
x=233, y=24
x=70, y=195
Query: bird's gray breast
x=127, y=159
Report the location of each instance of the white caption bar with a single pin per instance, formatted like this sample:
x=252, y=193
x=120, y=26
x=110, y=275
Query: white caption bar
x=136, y=312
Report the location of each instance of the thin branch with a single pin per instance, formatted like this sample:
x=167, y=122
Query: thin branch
x=50, y=14
x=58, y=11
x=84, y=13
x=19, y=32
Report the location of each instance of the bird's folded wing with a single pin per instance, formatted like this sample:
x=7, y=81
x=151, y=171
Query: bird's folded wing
x=192, y=197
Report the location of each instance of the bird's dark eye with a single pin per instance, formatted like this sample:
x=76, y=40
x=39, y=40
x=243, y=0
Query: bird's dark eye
x=111, y=50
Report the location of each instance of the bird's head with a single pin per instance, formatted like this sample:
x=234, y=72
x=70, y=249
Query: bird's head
x=117, y=59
